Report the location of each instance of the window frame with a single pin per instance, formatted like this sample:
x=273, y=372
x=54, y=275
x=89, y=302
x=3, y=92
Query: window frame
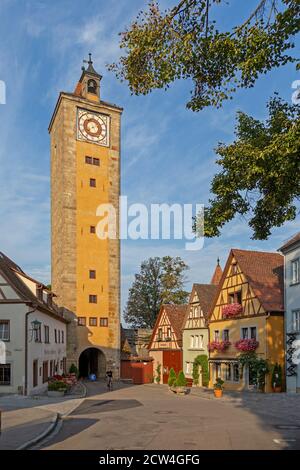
x=91, y=319
x=223, y=334
x=93, y=183
x=46, y=336
x=2, y=321
x=105, y=320
x=93, y=298
x=295, y=321
x=81, y=321
x=3, y=383
x=94, y=273
x=294, y=261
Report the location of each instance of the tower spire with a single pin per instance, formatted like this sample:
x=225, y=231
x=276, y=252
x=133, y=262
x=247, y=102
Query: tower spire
x=217, y=274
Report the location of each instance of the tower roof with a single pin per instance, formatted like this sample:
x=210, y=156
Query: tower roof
x=90, y=69
x=217, y=274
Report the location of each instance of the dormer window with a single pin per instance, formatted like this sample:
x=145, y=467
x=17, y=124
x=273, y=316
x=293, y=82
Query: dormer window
x=92, y=86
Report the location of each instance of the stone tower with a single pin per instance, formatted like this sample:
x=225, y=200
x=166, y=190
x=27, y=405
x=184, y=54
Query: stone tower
x=85, y=173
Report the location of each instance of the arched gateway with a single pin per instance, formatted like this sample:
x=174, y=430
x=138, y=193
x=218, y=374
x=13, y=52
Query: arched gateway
x=92, y=361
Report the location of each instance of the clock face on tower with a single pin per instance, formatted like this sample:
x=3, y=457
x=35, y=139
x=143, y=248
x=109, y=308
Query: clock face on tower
x=93, y=127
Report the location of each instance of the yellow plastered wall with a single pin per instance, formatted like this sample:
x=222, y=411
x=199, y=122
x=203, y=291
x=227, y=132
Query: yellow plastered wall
x=92, y=253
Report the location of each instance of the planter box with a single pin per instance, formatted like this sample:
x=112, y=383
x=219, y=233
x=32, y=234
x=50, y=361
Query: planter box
x=55, y=393
x=179, y=390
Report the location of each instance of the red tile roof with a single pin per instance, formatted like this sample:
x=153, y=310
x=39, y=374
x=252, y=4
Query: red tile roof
x=206, y=294
x=217, y=275
x=176, y=315
x=264, y=271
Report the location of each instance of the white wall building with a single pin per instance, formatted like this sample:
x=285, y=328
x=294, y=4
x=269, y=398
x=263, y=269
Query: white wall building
x=291, y=252
x=32, y=332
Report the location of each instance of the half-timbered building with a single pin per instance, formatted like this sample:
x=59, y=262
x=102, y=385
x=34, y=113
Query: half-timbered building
x=165, y=346
x=247, y=315
x=195, y=332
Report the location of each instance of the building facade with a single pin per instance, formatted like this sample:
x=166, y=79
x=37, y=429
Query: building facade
x=291, y=252
x=165, y=345
x=85, y=183
x=195, y=335
x=247, y=315
x=33, y=333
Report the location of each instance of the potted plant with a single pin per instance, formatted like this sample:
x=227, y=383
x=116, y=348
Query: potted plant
x=218, y=387
x=180, y=384
x=172, y=378
x=57, y=388
x=277, y=378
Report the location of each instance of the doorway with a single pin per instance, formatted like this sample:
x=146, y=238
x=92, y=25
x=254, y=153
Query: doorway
x=92, y=361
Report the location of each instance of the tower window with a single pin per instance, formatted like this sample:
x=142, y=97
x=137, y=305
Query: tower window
x=92, y=274
x=103, y=321
x=92, y=183
x=92, y=229
x=89, y=160
x=92, y=86
x=96, y=161
x=81, y=321
x=92, y=299
x=93, y=321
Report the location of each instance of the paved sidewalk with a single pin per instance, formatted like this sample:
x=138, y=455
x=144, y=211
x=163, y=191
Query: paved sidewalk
x=25, y=419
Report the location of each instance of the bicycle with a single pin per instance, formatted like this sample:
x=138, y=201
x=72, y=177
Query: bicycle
x=109, y=383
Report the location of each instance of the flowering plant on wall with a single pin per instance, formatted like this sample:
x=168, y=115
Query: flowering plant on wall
x=218, y=345
x=247, y=344
x=232, y=310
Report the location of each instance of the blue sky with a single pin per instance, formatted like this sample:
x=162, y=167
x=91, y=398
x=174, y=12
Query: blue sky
x=167, y=151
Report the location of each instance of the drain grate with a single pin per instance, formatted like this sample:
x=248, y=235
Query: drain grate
x=163, y=412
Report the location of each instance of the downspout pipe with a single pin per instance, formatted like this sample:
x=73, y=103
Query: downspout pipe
x=35, y=306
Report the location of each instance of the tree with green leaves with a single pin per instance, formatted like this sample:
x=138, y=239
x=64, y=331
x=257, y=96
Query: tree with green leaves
x=185, y=42
x=160, y=280
x=260, y=173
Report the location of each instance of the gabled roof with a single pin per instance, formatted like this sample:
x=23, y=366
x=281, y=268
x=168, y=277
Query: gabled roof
x=292, y=241
x=11, y=271
x=206, y=294
x=264, y=272
x=176, y=315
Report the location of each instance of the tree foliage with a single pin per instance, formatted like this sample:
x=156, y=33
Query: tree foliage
x=201, y=361
x=260, y=172
x=185, y=42
x=159, y=281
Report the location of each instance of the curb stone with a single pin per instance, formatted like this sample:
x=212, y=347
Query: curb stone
x=42, y=436
x=54, y=423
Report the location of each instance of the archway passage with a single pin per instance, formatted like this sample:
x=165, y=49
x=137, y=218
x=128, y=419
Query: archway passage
x=92, y=361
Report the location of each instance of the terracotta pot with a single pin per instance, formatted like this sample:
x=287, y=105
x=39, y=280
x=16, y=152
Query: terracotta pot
x=277, y=389
x=218, y=392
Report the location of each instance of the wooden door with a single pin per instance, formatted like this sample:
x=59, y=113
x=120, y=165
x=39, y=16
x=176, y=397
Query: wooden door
x=171, y=359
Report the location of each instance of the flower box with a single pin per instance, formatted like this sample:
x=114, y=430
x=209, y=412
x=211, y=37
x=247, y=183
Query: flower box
x=245, y=345
x=218, y=345
x=232, y=310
